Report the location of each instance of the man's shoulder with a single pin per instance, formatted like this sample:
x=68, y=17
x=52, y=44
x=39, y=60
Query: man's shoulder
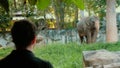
x=1, y=62
x=41, y=62
x=33, y=63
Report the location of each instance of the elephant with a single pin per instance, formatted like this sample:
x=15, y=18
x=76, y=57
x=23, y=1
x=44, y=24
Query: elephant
x=88, y=28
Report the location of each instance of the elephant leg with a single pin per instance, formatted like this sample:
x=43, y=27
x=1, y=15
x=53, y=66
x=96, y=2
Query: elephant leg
x=88, y=38
x=81, y=39
x=94, y=36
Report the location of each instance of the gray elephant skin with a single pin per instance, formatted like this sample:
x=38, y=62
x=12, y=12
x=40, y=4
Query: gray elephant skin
x=88, y=28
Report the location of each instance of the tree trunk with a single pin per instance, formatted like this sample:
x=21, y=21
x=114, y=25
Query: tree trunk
x=15, y=4
x=76, y=17
x=111, y=27
x=55, y=6
x=58, y=6
x=61, y=12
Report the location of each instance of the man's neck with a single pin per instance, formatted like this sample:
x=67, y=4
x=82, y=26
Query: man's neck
x=30, y=48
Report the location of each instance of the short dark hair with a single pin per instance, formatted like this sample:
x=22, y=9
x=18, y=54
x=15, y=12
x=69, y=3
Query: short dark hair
x=23, y=32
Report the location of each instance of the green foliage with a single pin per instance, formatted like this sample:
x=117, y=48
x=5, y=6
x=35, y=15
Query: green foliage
x=32, y=2
x=5, y=5
x=29, y=13
x=68, y=25
x=43, y=4
x=118, y=3
x=68, y=2
x=78, y=3
x=4, y=21
x=98, y=6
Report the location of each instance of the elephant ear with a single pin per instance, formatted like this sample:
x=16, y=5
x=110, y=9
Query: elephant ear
x=92, y=20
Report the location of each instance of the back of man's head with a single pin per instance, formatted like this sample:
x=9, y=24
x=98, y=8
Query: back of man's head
x=23, y=32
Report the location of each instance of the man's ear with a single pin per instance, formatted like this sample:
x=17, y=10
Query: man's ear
x=34, y=41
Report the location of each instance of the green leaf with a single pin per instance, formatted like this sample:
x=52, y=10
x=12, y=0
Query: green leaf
x=68, y=2
x=5, y=5
x=32, y=2
x=79, y=4
x=43, y=4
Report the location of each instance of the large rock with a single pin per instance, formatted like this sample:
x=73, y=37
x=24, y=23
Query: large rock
x=112, y=65
x=3, y=42
x=99, y=58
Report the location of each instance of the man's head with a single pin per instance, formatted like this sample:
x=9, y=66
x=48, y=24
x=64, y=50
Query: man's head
x=23, y=33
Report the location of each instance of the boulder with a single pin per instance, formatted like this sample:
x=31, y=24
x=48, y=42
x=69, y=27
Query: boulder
x=99, y=58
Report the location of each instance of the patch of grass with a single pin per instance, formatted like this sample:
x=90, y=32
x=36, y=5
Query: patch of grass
x=4, y=52
x=61, y=55
x=66, y=55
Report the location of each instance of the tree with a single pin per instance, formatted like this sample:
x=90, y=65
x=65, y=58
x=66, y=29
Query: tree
x=43, y=5
x=5, y=5
x=111, y=26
